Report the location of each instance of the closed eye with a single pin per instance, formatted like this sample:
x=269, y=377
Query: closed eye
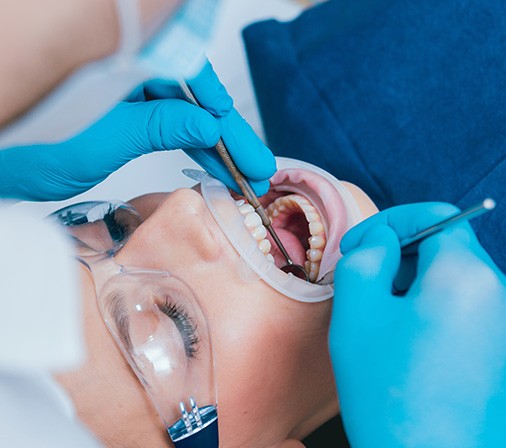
x=184, y=324
x=176, y=312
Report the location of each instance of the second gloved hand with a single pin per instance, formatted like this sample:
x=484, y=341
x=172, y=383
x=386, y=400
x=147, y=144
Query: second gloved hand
x=427, y=369
x=155, y=117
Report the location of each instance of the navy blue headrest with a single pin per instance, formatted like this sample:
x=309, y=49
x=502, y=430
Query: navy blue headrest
x=407, y=99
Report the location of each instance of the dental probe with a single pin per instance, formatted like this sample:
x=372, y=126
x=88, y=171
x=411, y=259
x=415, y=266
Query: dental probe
x=249, y=194
x=408, y=242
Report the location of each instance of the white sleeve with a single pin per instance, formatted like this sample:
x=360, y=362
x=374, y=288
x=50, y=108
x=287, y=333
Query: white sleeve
x=35, y=412
x=40, y=322
x=40, y=331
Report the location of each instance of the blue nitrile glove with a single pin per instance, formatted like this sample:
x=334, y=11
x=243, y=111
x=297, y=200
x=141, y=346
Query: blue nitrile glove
x=155, y=117
x=427, y=369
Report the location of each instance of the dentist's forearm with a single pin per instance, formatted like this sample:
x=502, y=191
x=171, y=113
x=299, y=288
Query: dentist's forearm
x=41, y=43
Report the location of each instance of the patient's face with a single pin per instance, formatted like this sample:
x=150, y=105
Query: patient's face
x=272, y=365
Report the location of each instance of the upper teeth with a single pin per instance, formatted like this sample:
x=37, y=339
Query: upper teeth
x=254, y=224
x=317, y=239
x=281, y=205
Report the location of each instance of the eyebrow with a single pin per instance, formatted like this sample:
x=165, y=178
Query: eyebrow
x=115, y=303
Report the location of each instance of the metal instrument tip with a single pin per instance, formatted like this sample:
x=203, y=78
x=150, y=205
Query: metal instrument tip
x=489, y=203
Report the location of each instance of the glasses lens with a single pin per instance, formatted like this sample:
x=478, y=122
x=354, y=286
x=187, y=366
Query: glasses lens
x=158, y=323
x=99, y=227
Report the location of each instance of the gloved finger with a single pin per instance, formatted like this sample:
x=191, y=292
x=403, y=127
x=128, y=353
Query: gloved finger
x=406, y=274
x=249, y=153
x=460, y=287
x=406, y=220
x=136, y=94
x=156, y=89
x=161, y=125
x=363, y=282
x=160, y=89
x=372, y=265
x=453, y=258
x=210, y=92
x=212, y=163
x=207, y=88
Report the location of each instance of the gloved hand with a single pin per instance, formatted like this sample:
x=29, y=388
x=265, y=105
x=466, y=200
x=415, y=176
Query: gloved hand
x=155, y=117
x=427, y=369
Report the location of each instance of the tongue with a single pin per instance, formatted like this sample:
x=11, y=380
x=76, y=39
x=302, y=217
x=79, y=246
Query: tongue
x=292, y=245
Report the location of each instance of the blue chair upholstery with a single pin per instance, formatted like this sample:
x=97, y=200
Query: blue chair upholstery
x=407, y=99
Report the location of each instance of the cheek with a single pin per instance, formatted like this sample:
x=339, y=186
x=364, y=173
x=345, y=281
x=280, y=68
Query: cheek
x=269, y=353
x=248, y=366
x=252, y=352
x=364, y=202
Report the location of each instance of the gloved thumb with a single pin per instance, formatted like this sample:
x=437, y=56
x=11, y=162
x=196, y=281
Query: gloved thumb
x=373, y=263
x=363, y=278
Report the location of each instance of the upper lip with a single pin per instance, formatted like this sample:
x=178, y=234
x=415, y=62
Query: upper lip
x=281, y=186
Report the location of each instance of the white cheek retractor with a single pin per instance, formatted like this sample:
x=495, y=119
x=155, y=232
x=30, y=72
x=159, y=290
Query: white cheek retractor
x=229, y=218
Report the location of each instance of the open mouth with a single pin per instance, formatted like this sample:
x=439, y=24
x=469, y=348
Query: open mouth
x=307, y=213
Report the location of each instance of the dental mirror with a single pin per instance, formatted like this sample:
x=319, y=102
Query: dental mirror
x=290, y=267
x=295, y=269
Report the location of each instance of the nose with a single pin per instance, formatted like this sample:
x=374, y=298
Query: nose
x=180, y=231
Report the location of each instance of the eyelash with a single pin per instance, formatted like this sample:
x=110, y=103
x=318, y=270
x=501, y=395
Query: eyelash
x=184, y=324
x=116, y=228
